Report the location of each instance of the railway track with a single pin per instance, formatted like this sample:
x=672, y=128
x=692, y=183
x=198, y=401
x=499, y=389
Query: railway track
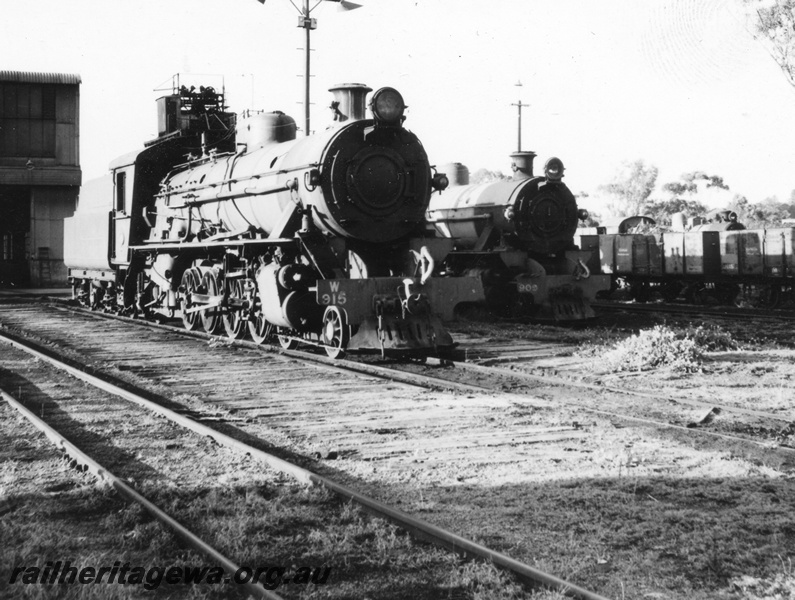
x=555, y=377
x=515, y=423
x=724, y=312
x=561, y=381
x=553, y=371
x=417, y=527
x=86, y=462
x=503, y=365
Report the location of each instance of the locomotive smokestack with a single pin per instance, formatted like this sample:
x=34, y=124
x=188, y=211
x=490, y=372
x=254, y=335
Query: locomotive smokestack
x=349, y=101
x=522, y=164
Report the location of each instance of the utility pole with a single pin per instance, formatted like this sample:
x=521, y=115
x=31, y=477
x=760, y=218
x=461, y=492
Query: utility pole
x=306, y=21
x=519, y=106
x=309, y=24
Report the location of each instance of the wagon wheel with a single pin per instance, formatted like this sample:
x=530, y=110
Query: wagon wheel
x=234, y=322
x=789, y=295
x=335, y=333
x=727, y=293
x=286, y=342
x=84, y=294
x=768, y=296
x=190, y=285
x=211, y=318
x=640, y=291
x=81, y=292
x=696, y=294
x=670, y=291
x=95, y=297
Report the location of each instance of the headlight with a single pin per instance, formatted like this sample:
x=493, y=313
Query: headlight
x=387, y=106
x=553, y=169
x=440, y=182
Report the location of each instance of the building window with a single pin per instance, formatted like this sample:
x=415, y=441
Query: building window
x=27, y=120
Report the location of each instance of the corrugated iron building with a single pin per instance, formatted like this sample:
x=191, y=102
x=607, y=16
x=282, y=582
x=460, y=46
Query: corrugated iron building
x=40, y=174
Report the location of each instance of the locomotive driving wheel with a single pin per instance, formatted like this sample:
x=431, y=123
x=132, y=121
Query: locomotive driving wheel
x=259, y=329
x=335, y=333
x=189, y=286
x=211, y=318
x=234, y=322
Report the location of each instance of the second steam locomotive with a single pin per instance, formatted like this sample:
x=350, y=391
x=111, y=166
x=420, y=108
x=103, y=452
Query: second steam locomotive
x=236, y=225
x=517, y=236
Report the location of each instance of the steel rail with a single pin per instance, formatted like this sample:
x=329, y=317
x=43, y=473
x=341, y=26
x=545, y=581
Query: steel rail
x=552, y=381
x=387, y=373
x=692, y=309
x=128, y=492
x=647, y=395
x=441, y=383
x=418, y=527
x=640, y=420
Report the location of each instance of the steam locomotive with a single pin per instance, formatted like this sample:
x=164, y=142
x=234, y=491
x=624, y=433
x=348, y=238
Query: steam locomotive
x=236, y=225
x=517, y=236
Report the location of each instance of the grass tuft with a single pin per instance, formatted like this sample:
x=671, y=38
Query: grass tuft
x=681, y=350
x=711, y=338
x=651, y=349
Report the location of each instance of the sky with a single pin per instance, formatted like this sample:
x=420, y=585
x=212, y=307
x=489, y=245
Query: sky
x=680, y=84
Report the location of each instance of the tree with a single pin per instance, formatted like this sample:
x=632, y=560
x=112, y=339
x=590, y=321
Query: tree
x=688, y=183
x=774, y=21
x=767, y=213
x=715, y=181
x=791, y=205
x=661, y=210
x=630, y=188
x=684, y=196
x=680, y=188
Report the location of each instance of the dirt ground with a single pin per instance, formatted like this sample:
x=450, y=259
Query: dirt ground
x=716, y=529
x=627, y=510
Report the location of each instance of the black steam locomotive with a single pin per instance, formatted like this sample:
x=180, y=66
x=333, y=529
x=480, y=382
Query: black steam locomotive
x=235, y=224
x=517, y=235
